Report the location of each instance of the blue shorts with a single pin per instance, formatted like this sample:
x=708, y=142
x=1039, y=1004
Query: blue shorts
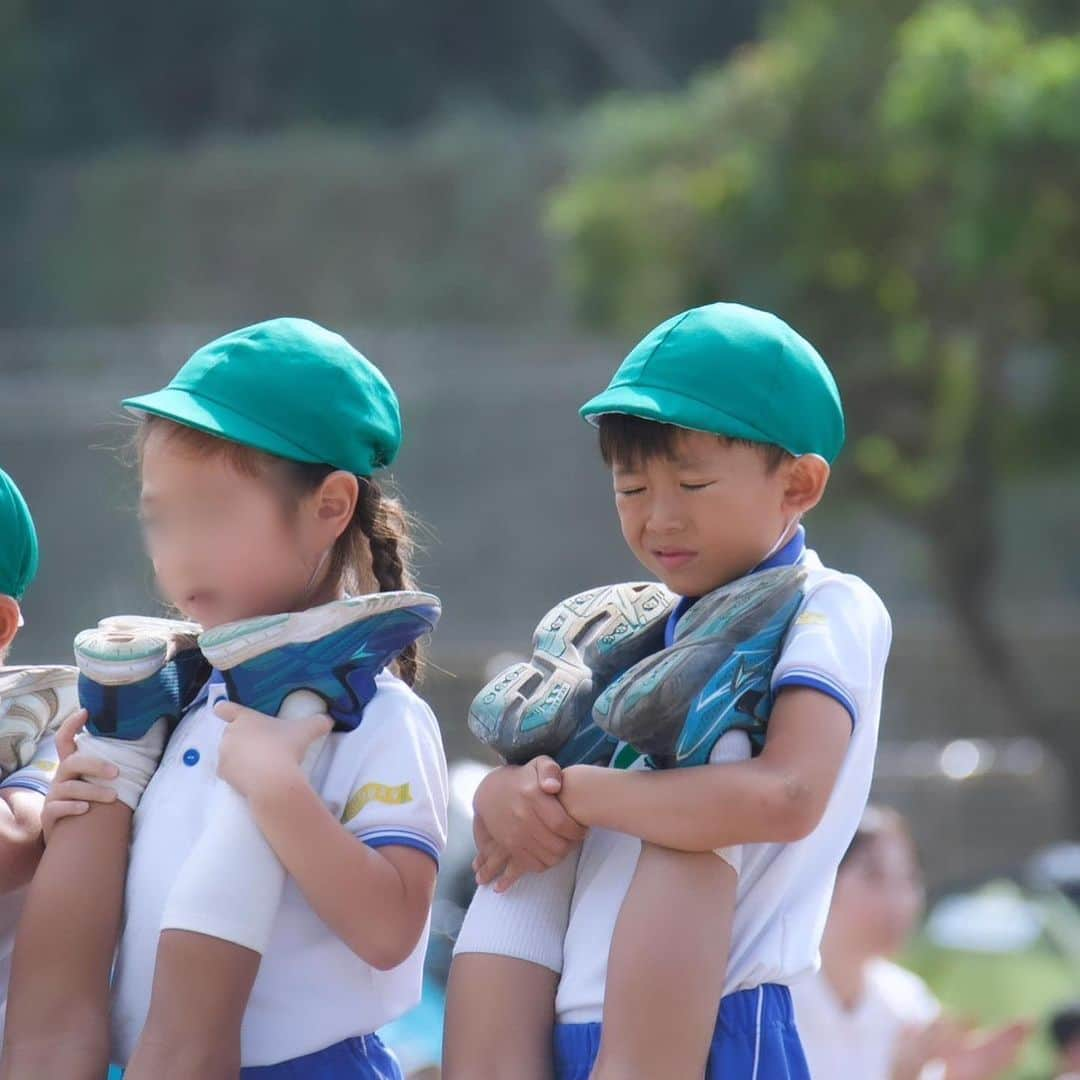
x=362, y=1058
x=755, y=1039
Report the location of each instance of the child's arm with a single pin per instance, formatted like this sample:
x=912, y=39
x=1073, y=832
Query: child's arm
x=20, y=836
x=777, y=797
x=70, y=932
x=375, y=899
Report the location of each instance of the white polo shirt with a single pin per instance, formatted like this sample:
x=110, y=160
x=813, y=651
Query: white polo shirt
x=861, y=1041
x=34, y=777
x=838, y=644
x=386, y=781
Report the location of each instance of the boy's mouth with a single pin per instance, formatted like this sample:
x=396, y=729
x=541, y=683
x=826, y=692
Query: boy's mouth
x=673, y=558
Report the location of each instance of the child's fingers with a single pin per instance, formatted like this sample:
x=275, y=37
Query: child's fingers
x=311, y=728
x=86, y=766
x=548, y=775
x=230, y=711
x=66, y=732
x=57, y=811
x=488, y=869
x=83, y=791
x=509, y=877
x=558, y=822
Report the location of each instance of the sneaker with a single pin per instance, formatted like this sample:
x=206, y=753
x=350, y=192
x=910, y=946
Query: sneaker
x=334, y=650
x=716, y=676
x=134, y=670
x=33, y=702
x=544, y=705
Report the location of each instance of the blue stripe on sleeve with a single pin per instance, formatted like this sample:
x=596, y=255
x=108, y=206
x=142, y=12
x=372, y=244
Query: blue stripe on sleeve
x=32, y=783
x=410, y=840
x=815, y=682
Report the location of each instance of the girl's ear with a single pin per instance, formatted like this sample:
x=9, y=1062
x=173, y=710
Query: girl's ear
x=807, y=477
x=335, y=502
x=9, y=621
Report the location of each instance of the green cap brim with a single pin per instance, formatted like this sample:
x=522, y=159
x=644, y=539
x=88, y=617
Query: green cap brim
x=196, y=411
x=668, y=407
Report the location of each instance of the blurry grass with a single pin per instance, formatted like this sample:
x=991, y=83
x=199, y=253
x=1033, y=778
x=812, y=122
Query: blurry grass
x=994, y=989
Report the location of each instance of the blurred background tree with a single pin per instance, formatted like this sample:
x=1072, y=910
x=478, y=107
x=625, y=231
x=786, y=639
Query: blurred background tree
x=901, y=180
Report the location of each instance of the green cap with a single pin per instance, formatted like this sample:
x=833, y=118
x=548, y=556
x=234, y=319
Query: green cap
x=730, y=370
x=18, y=540
x=289, y=387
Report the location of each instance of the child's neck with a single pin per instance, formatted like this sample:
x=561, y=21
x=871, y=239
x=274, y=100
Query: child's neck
x=844, y=969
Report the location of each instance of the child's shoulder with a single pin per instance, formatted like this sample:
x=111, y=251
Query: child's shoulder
x=833, y=593
x=398, y=714
x=902, y=991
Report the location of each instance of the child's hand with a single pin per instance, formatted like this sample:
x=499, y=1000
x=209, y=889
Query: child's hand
x=987, y=1054
x=258, y=752
x=520, y=826
x=73, y=790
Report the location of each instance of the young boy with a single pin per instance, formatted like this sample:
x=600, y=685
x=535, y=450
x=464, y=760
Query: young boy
x=719, y=428
x=32, y=700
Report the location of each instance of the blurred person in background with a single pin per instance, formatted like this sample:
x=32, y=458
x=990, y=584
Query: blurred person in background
x=864, y=1016
x=1065, y=1036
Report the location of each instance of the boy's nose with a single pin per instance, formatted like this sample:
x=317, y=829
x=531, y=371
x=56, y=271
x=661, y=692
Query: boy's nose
x=665, y=518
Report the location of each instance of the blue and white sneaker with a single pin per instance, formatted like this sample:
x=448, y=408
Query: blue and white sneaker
x=33, y=702
x=334, y=651
x=544, y=705
x=135, y=670
x=716, y=676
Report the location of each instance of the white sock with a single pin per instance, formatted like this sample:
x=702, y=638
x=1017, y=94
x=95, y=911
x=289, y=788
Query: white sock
x=137, y=759
x=231, y=884
x=527, y=922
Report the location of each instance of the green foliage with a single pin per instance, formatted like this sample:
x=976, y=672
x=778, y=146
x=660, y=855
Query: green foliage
x=901, y=181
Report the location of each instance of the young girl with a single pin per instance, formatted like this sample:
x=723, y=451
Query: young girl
x=862, y=1015
x=256, y=500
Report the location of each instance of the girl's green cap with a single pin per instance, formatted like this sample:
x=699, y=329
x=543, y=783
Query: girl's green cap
x=18, y=540
x=288, y=387
x=734, y=371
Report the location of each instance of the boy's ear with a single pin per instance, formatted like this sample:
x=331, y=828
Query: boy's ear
x=9, y=621
x=336, y=501
x=807, y=477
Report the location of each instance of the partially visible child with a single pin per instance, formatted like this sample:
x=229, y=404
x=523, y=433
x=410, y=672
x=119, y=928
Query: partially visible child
x=32, y=702
x=1065, y=1035
x=864, y=1016
x=265, y=525
x=719, y=429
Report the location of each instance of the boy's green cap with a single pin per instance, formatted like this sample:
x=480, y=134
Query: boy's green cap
x=18, y=540
x=730, y=370
x=289, y=387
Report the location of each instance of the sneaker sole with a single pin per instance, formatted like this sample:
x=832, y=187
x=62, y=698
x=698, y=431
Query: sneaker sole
x=648, y=707
x=543, y=705
x=235, y=643
x=120, y=654
x=334, y=651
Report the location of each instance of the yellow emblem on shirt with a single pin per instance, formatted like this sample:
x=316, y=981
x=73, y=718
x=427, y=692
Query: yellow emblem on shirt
x=43, y=765
x=811, y=618
x=390, y=794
